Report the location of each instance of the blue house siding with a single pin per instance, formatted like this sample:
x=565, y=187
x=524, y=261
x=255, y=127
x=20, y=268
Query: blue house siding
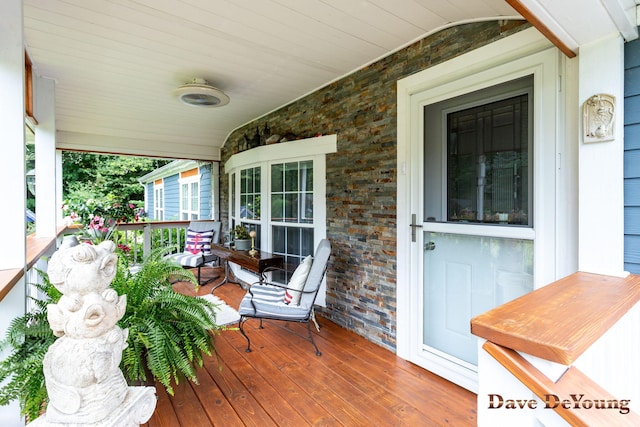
x=171, y=198
x=170, y=174
x=632, y=157
x=149, y=200
x=205, y=192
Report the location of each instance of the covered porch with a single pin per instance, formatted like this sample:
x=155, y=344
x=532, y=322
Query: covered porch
x=366, y=180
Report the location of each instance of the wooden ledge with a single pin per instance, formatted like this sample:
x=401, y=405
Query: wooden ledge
x=36, y=248
x=560, y=321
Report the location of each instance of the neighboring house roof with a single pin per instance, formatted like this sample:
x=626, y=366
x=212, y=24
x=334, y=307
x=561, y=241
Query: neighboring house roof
x=169, y=169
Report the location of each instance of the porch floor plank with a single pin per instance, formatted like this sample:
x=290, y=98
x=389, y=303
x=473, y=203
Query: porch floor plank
x=283, y=383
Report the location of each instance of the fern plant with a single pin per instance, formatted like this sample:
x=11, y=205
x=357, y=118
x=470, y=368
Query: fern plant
x=27, y=340
x=169, y=333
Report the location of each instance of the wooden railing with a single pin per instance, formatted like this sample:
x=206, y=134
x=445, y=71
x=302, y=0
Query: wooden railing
x=559, y=323
x=140, y=237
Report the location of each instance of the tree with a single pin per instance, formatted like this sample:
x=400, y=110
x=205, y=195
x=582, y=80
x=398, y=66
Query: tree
x=105, y=177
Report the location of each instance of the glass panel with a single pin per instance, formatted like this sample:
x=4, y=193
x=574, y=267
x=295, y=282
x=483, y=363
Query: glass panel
x=244, y=181
x=184, y=197
x=291, y=177
x=194, y=196
x=279, y=239
x=291, y=207
x=307, y=247
x=277, y=183
x=293, y=241
x=306, y=176
x=307, y=209
x=277, y=207
x=243, y=206
x=488, y=163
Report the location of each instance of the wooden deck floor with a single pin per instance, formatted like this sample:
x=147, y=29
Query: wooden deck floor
x=283, y=383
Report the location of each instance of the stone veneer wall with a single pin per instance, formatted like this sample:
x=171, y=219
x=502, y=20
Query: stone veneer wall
x=361, y=177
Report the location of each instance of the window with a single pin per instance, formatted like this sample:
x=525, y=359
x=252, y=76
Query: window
x=478, y=156
x=250, y=193
x=190, y=194
x=488, y=163
x=282, y=197
x=291, y=198
x=158, y=200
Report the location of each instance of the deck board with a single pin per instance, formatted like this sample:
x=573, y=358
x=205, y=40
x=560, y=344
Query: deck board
x=283, y=383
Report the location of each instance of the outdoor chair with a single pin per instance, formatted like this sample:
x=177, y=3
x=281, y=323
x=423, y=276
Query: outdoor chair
x=291, y=302
x=199, y=237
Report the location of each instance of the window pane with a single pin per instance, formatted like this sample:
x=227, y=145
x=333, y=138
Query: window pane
x=291, y=177
x=256, y=180
x=307, y=247
x=306, y=176
x=185, y=197
x=243, y=206
x=277, y=207
x=194, y=196
x=276, y=178
x=307, y=208
x=293, y=241
x=244, y=181
x=488, y=163
x=279, y=239
x=291, y=207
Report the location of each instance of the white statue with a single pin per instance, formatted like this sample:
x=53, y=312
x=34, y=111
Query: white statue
x=82, y=373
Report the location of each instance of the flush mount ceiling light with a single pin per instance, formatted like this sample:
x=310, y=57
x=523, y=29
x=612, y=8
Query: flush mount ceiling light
x=199, y=93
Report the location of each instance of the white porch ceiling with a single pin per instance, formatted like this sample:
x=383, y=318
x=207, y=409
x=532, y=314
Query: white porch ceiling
x=117, y=62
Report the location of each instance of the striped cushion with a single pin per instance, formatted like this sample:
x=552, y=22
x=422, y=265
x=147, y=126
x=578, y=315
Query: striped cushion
x=198, y=242
x=268, y=301
x=187, y=259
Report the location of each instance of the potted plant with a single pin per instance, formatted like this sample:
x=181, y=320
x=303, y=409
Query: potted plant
x=241, y=238
x=169, y=333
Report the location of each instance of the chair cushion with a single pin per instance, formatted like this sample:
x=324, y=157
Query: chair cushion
x=268, y=301
x=297, y=281
x=198, y=242
x=187, y=259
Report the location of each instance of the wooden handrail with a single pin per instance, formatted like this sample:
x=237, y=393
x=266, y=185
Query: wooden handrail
x=36, y=247
x=558, y=322
x=572, y=386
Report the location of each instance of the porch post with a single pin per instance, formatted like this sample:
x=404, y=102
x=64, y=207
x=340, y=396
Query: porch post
x=12, y=110
x=45, y=137
x=600, y=194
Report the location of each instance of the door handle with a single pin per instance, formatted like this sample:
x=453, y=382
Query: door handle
x=413, y=226
x=429, y=246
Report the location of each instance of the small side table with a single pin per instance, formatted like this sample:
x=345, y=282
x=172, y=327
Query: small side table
x=257, y=263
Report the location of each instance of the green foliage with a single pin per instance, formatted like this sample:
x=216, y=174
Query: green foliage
x=27, y=340
x=241, y=233
x=102, y=177
x=169, y=333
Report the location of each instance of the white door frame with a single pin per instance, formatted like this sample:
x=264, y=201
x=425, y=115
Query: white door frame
x=524, y=53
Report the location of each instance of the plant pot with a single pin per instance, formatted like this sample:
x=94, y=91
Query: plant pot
x=243, y=244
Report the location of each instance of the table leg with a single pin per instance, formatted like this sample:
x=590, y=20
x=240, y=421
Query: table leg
x=226, y=277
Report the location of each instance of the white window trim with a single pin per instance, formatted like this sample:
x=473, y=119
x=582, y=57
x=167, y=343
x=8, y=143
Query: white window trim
x=188, y=181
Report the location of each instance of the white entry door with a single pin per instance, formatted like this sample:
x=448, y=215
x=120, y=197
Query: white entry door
x=476, y=217
x=478, y=191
